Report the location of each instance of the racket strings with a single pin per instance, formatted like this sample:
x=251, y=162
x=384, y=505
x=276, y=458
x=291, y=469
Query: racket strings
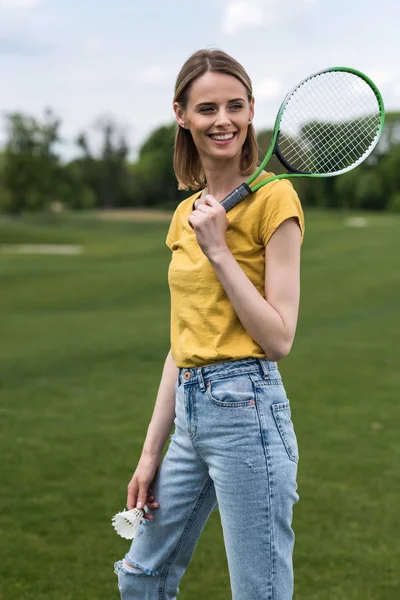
x=329, y=123
x=358, y=142
x=344, y=148
x=353, y=148
x=309, y=158
x=362, y=137
x=352, y=145
x=353, y=142
x=318, y=136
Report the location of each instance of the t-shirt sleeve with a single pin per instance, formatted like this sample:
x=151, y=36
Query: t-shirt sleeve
x=172, y=231
x=280, y=203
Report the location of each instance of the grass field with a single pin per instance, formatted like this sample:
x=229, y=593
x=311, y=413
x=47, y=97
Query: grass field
x=83, y=342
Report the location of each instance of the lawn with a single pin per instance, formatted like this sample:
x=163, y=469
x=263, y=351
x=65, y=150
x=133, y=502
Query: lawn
x=84, y=338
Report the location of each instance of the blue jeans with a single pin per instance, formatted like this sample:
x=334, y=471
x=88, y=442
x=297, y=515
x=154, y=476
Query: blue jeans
x=233, y=448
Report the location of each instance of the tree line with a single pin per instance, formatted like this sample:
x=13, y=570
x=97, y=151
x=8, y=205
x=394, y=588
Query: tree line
x=33, y=175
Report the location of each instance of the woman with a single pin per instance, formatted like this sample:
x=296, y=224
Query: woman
x=234, y=281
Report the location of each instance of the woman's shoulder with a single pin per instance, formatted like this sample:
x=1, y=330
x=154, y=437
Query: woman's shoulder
x=275, y=187
x=274, y=202
x=272, y=196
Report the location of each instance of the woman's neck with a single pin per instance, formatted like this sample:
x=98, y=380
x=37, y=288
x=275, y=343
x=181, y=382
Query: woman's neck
x=221, y=182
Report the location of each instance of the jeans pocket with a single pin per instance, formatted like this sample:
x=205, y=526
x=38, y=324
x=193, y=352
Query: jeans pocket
x=282, y=417
x=231, y=392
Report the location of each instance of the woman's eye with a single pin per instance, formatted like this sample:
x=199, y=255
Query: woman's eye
x=210, y=109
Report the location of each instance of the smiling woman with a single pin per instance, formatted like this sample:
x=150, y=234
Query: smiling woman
x=234, y=283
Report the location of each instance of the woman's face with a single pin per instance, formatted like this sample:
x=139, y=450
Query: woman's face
x=217, y=114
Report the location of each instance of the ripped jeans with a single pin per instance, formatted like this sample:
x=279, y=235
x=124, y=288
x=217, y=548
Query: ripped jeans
x=233, y=448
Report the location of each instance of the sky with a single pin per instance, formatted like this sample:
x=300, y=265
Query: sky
x=87, y=59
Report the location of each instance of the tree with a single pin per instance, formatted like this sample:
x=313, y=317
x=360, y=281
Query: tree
x=30, y=165
x=108, y=174
x=264, y=140
x=154, y=181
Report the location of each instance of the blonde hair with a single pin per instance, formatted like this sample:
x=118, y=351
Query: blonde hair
x=187, y=165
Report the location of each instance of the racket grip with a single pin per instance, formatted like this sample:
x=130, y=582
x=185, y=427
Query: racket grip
x=235, y=197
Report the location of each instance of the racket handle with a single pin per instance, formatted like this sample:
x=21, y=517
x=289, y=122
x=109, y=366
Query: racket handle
x=236, y=196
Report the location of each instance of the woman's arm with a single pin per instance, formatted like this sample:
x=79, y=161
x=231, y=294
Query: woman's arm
x=157, y=434
x=270, y=321
x=164, y=410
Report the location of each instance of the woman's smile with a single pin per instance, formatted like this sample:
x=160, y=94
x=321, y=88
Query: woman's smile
x=222, y=139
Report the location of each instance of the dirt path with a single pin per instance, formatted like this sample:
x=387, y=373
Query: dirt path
x=133, y=214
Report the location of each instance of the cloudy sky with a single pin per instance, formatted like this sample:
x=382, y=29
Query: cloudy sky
x=87, y=58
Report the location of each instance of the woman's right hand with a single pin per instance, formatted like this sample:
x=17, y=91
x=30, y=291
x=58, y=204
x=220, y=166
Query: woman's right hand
x=139, y=487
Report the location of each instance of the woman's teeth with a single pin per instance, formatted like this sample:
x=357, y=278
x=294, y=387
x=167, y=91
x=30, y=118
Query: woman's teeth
x=221, y=138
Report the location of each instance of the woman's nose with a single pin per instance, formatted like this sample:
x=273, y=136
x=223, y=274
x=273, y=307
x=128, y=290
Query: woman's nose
x=222, y=118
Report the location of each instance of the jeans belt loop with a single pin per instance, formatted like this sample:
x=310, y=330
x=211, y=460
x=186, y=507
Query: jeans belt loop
x=264, y=367
x=200, y=379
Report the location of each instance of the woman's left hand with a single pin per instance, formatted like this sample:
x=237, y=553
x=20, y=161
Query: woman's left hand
x=209, y=222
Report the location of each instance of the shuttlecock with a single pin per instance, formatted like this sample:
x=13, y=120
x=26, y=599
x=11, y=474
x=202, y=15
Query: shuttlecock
x=127, y=522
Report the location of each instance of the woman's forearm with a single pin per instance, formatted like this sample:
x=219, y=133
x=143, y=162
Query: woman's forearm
x=164, y=410
x=261, y=321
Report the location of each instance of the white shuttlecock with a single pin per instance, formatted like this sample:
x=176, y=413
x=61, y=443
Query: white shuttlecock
x=127, y=522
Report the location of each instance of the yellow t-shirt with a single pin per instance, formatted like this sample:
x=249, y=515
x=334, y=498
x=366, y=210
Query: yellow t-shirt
x=205, y=328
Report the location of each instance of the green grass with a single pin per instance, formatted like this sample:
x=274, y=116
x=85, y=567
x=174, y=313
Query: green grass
x=84, y=340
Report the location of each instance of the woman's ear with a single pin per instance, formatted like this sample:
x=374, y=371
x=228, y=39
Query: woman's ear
x=252, y=108
x=179, y=115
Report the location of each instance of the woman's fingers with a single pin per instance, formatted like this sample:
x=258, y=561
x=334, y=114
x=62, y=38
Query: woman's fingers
x=142, y=494
x=151, y=505
x=132, y=494
x=140, y=491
